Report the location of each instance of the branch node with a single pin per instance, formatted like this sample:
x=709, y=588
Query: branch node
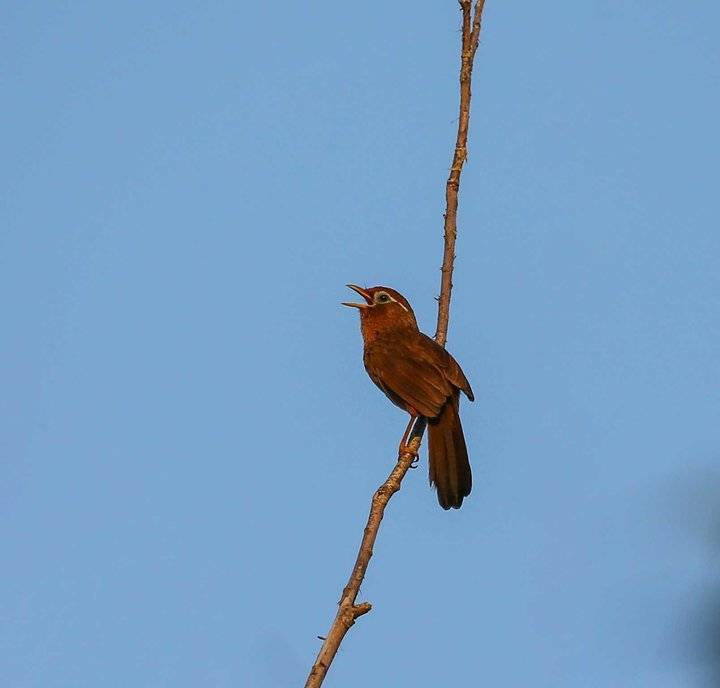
x=360, y=609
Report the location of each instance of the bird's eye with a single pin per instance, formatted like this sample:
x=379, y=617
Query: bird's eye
x=382, y=297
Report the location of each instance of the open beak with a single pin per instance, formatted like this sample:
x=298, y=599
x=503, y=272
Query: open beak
x=362, y=293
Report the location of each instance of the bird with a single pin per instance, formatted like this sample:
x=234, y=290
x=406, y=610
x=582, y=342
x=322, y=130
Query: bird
x=422, y=378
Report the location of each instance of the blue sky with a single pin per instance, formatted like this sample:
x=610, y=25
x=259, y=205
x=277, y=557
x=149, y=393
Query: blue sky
x=188, y=438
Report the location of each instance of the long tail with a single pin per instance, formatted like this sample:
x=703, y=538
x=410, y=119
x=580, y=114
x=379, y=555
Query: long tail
x=449, y=464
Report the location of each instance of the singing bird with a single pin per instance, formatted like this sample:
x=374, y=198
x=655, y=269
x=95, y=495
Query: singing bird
x=422, y=378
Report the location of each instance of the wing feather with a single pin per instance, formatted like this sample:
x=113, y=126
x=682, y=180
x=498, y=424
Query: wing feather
x=405, y=374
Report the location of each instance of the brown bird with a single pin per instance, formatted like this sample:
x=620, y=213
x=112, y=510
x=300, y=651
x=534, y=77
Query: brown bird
x=420, y=377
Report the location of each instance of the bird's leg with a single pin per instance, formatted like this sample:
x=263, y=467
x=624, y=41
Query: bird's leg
x=404, y=446
x=403, y=441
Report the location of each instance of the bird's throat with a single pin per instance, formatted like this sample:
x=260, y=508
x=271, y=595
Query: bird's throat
x=374, y=328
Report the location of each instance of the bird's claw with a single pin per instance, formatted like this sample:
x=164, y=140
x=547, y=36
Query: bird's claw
x=409, y=449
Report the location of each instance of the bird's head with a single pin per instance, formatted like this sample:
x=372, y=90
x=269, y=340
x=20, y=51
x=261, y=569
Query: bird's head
x=383, y=309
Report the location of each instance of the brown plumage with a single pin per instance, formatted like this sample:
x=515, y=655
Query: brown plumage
x=422, y=378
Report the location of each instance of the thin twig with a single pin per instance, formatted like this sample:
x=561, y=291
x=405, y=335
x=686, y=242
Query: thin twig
x=470, y=41
x=348, y=609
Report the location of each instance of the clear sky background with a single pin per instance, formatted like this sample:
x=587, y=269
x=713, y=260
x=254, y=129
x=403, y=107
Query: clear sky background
x=188, y=438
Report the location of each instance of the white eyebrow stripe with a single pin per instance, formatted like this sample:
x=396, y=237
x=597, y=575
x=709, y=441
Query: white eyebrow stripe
x=384, y=293
x=400, y=304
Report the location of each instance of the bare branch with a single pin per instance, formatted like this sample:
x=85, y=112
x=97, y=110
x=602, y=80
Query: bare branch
x=348, y=608
x=470, y=41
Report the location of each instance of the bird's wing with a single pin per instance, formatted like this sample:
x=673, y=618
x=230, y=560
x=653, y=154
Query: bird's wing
x=450, y=367
x=410, y=374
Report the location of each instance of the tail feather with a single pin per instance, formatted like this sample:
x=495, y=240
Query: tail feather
x=449, y=463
